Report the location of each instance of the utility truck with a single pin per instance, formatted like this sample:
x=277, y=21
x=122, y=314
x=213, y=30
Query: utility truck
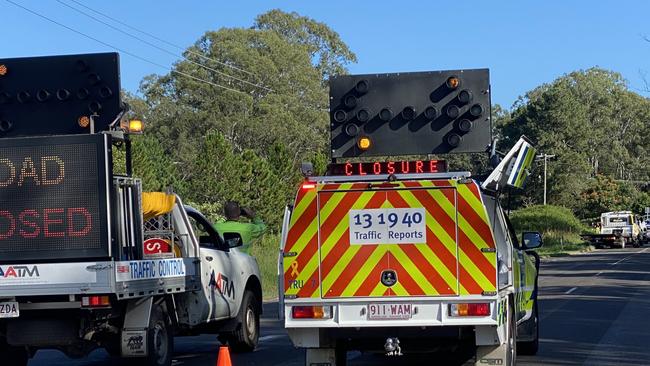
x=403, y=256
x=617, y=228
x=87, y=259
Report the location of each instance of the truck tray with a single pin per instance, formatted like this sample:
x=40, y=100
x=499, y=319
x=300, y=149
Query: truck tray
x=129, y=279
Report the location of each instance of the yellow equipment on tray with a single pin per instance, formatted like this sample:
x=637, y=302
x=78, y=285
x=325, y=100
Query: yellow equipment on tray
x=156, y=204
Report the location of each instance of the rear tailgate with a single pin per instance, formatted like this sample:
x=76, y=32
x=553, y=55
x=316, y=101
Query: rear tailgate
x=412, y=238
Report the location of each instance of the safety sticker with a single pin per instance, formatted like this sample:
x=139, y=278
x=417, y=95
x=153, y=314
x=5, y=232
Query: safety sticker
x=388, y=226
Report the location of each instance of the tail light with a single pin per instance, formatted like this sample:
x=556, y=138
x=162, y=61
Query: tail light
x=311, y=312
x=95, y=302
x=308, y=185
x=469, y=309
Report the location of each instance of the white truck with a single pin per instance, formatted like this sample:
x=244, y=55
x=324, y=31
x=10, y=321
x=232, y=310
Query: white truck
x=88, y=260
x=621, y=223
x=402, y=257
x=617, y=228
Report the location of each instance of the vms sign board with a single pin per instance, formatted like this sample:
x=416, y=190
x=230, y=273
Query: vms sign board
x=54, y=197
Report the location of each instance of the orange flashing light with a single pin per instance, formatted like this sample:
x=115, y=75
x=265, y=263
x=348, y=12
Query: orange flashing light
x=364, y=143
x=3, y=70
x=453, y=82
x=84, y=121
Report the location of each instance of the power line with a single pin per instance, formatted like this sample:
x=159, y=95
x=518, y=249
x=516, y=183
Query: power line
x=160, y=48
x=161, y=39
x=121, y=50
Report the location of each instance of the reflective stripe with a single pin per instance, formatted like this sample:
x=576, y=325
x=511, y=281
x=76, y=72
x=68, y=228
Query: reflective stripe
x=450, y=262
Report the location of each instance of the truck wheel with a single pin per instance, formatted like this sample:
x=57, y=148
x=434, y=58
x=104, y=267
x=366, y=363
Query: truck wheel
x=341, y=356
x=245, y=338
x=530, y=348
x=160, y=339
x=13, y=356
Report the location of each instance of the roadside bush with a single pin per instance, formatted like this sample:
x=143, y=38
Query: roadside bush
x=546, y=219
x=560, y=228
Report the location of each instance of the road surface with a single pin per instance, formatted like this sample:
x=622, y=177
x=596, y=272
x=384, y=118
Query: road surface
x=594, y=310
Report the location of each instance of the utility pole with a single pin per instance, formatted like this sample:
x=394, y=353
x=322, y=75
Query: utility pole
x=545, y=157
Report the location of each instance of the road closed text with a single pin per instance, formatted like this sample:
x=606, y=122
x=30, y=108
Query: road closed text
x=36, y=173
x=45, y=223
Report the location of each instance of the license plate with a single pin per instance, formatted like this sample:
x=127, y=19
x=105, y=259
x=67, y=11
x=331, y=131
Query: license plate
x=9, y=309
x=389, y=311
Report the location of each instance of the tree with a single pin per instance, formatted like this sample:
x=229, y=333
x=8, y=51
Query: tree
x=242, y=136
x=594, y=125
x=324, y=45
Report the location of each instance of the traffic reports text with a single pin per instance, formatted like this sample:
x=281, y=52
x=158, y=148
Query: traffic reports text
x=387, y=226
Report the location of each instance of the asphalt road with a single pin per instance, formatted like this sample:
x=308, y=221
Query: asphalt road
x=594, y=310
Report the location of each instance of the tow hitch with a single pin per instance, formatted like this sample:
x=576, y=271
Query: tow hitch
x=392, y=347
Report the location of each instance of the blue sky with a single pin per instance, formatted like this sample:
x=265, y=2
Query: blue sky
x=524, y=43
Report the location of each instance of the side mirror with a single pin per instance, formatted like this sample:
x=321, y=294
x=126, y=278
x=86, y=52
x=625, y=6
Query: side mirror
x=531, y=240
x=233, y=240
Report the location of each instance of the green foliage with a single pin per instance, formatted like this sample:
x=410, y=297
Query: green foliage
x=594, y=125
x=560, y=228
x=604, y=194
x=266, y=250
x=222, y=174
x=546, y=219
x=331, y=55
x=215, y=143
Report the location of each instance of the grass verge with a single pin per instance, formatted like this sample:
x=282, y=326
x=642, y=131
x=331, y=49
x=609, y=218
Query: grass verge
x=559, y=227
x=266, y=250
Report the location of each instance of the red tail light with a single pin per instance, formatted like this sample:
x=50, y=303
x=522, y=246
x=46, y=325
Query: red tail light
x=308, y=185
x=469, y=309
x=311, y=312
x=478, y=309
x=95, y=301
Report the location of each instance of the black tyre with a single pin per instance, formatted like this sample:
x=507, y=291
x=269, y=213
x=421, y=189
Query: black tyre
x=341, y=356
x=160, y=339
x=247, y=335
x=13, y=356
x=530, y=348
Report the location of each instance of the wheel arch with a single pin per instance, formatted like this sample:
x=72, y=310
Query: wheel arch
x=255, y=285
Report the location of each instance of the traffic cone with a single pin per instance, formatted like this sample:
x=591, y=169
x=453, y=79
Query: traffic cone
x=224, y=356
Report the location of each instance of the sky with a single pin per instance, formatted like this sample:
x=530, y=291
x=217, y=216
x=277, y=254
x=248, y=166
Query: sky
x=523, y=43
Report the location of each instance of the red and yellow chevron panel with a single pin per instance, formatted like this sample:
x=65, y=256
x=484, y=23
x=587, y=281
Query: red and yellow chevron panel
x=455, y=256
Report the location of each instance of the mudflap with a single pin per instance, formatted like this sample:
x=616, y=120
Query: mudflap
x=136, y=323
x=491, y=355
x=320, y=357
x=497, y=345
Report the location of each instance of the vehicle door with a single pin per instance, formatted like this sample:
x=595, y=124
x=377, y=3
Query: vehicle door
x=524, y=273
x=215, y=266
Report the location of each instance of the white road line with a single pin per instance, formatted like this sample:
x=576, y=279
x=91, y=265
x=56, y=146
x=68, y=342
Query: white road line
x=628, y=257
x=571, y=290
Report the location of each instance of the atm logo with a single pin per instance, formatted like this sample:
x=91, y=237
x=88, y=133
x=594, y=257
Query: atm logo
x=223, y=284
x=19, y=272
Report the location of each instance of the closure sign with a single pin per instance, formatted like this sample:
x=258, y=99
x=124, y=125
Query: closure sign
x=388, y=226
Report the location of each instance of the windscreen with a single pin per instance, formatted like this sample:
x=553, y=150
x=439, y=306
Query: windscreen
x=53, y=192
x=618, y=221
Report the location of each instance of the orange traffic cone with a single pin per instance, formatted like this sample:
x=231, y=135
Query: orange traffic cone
x=224, y=356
